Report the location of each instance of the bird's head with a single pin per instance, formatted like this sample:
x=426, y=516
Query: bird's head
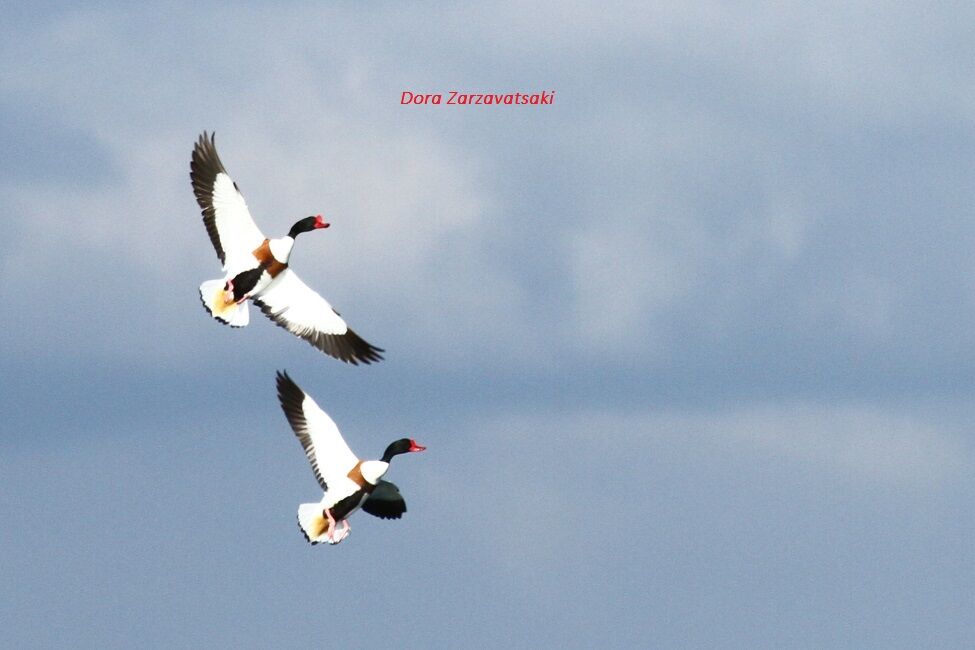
x=401, y=446
x=307, y=224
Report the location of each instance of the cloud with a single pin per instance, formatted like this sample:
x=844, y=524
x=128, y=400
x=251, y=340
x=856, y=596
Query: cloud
x=574, y=506
x=408, y=207
x=865, y=442
x=734, y=201
x=696, y=342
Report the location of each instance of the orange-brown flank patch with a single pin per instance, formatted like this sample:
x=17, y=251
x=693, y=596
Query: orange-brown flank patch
x=356, y=475
x=264, y=256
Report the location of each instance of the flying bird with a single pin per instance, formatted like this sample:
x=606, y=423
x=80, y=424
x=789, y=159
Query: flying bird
x=256, y=267
x=349, y=482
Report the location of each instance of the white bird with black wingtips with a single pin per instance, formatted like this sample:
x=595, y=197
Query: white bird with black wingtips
x=349, y=482
x=256, y=267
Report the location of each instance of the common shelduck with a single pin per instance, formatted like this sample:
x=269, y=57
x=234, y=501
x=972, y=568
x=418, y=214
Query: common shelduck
x=256, y=267
x=349, y=482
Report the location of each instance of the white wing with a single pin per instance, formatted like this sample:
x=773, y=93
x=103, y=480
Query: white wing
x=330, y=457
x=290, y=303
x=232, y=231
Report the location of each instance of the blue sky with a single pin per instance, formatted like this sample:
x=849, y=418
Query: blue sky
x=690, y=348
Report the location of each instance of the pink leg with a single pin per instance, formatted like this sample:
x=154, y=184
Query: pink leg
x=229, y=292
x=331, y=524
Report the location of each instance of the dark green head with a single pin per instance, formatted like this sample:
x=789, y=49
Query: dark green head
x=308, y=223
x=401, y=446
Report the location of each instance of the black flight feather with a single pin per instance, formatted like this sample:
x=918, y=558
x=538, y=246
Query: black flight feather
x=348, y=347
x=204, y=167
x=385, y=502
x=292, y=398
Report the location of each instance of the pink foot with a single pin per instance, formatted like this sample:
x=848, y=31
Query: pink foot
x=345, y=530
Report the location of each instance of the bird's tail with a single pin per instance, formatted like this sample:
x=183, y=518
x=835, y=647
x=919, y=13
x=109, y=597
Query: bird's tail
x=212, y=295
x=311, y=520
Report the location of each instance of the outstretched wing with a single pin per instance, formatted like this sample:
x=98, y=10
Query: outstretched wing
x=385, y=502
x=329, y=455
x=290, y=303
x=228, y=222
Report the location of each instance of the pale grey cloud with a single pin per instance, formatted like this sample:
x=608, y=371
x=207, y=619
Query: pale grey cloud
x=691, y=349
x=867, y=442
x=692, y=189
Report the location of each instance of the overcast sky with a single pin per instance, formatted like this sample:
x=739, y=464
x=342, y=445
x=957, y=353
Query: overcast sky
x=691, y=349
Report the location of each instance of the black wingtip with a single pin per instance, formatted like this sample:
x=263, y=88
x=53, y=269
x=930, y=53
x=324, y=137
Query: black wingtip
x=349, y=347
x=385, y=502
x=288, y=391
x=292, y=399
x=205, y=164
x=206, y=137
